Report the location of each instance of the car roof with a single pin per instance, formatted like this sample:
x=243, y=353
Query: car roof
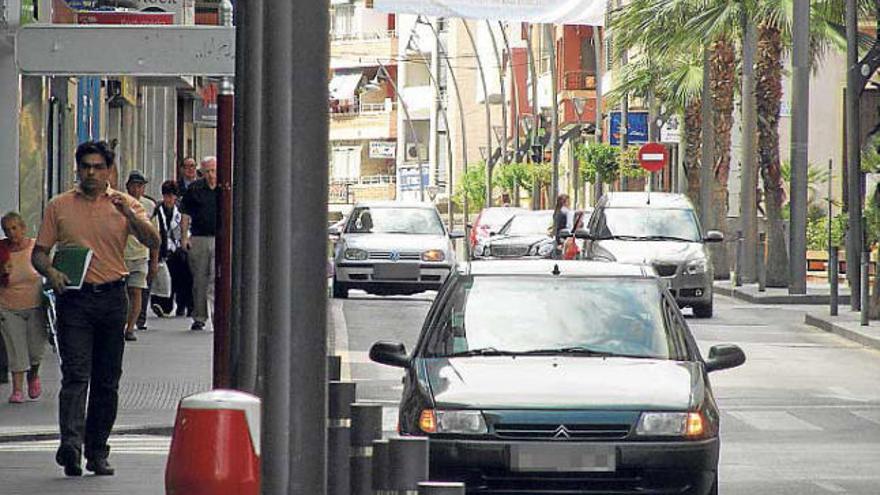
x=646, y=200
x=395, y=204
x=534, y=212
x=565, y=268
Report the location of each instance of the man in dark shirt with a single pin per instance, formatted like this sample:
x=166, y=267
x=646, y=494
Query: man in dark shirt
x=199, y=208
x=188, y=175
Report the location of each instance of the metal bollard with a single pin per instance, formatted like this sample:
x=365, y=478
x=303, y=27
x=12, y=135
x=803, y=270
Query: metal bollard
x=441, y=488
x=366, y=427
x=334, y=368
x=340, y=396
x=762, y=262
x=738, y=260
x=833, y=268
x=864, y=290
x=380, y=473
x=408, y=464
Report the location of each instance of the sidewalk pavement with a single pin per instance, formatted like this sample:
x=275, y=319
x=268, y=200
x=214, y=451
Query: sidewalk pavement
x=847, y=324
x=167, y=363
x=816, y=294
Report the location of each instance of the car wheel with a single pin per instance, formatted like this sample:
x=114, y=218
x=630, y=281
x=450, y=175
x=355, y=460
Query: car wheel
x=703, y=310
x=340, y=290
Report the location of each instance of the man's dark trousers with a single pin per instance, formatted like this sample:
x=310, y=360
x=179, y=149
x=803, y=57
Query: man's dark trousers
x=91, y=325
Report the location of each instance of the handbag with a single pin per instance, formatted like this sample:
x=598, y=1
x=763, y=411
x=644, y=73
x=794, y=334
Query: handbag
x=161, y=286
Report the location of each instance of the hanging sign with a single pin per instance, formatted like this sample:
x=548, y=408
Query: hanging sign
x=572, y=12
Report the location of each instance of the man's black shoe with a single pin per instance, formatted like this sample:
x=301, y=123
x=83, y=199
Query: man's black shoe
x=100, y=467
x=197, y=325
x=69, y=459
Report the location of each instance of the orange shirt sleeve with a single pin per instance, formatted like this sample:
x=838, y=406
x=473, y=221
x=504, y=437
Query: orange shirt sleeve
x=138, y=209
x=48, y=235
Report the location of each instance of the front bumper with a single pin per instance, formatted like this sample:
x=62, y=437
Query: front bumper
x=691, y=289
x=675, y=467
x=363, y=274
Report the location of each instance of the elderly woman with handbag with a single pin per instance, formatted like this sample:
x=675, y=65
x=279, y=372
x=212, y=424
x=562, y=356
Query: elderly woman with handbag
x=22, y=316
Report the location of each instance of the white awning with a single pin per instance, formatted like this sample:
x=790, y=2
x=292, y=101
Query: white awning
x=578, y=12
x=343, y=86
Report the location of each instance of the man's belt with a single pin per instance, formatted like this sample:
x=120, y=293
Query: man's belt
x=98, y=288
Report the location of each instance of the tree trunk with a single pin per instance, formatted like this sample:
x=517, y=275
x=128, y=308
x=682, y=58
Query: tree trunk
x=693, y=132
x=723, y=83
x=768, y=96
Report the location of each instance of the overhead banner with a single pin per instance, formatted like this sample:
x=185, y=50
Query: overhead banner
x=574, y=12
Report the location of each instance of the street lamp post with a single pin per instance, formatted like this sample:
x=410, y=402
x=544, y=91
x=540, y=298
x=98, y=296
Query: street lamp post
x=580, y=105
x=489, y=164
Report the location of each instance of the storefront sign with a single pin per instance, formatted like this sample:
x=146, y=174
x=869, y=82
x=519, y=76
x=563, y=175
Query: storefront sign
x=383, y=149
x=205, y=106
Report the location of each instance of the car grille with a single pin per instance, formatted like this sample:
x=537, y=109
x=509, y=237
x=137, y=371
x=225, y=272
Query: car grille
x=665, y=270
x=623, y=481
x=386, y=255
x=509, y=250
x=553, y=432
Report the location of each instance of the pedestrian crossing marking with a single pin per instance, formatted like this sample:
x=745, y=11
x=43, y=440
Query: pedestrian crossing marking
x=774, y=421
x=123, y=444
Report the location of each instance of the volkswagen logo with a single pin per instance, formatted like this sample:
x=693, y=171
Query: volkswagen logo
x=562, y=433
x=394, y=256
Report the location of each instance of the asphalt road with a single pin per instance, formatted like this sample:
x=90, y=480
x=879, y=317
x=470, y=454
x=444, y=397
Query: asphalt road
x=802, y=416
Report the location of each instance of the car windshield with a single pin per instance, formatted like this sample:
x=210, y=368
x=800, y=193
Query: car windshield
x=528, y=224
x=496, y=217
x=486, y=315
x=374, y=220
x=650, y=223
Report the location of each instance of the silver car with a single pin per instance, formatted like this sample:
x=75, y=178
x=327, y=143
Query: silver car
x=660, y=230
x=392, y=248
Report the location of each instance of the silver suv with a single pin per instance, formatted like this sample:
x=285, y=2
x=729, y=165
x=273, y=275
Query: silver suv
x=660, y=230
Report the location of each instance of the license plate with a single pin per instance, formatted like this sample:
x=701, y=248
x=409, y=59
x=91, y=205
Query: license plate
x=558, y=457
x=395, y=271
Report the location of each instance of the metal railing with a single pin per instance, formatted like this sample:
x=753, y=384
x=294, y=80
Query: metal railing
x=364, y=36
x=357, y=109
x=579, y=80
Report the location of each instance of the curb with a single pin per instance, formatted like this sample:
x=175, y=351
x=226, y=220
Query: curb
x=36, y=435
x=805, y=299
x=828, y=326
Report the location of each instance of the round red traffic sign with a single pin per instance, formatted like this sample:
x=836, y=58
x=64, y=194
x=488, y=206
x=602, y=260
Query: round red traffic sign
x=653, y=157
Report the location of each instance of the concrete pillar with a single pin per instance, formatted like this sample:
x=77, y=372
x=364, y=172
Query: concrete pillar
x=9, y=110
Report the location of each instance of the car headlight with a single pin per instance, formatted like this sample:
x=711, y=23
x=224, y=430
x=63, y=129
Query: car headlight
x=433, y=255
x=356, y=254
x=696, y=266
x=545, y=249
x=671, y=424
x=456, y=422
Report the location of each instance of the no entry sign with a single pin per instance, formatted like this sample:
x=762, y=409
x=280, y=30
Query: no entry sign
x=653, y=157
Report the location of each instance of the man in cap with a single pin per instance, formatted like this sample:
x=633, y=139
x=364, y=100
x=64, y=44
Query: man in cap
x=142, y=262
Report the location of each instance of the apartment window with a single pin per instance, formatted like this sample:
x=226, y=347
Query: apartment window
x=342, y=20
x=588, y=55
x=346, y=162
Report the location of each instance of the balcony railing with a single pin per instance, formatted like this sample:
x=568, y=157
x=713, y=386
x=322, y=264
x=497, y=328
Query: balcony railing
x=364, y=36
x=369, y=180
x=579, y=80
x=342, y=109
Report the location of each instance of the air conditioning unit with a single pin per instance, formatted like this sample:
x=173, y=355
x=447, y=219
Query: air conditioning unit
x=416, y=152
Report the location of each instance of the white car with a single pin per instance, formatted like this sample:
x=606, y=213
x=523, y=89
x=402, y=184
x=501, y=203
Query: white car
x=392, y=248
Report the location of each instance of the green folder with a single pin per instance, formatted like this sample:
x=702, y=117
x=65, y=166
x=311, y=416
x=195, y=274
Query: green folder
x=74, y=262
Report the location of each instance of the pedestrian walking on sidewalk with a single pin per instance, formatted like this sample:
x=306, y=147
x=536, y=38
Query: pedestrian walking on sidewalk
x=91, y=320
x=22, y=316
x=140, y=261
x=199, y=207
x=189, y=174
x=4, y=278
x=171, y=252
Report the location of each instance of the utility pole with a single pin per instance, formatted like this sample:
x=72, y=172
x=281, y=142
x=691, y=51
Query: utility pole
x=748, y=204
x=855, y=236
x=554, y=109
x=293, y=291
x=597, y=47
x=800, y=119
x=533, y=75
x=223, y=240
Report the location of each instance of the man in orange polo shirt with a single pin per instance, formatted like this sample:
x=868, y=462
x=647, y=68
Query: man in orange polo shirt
x=91, y=320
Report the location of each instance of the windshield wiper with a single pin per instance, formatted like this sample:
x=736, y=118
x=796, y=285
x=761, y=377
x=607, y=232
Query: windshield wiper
x=584, y=351
x=484, y=351
x=667, y=238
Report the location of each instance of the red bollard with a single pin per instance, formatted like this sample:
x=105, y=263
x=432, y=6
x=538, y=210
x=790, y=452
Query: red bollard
x=216, y=445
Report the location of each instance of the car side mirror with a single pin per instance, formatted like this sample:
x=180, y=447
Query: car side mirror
x=334, y=231
x=390, y=354
x=493, y=233
x=564, y=234
x=582, y=234
x=713, y=236
x=724, y=356
x=456, y=235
